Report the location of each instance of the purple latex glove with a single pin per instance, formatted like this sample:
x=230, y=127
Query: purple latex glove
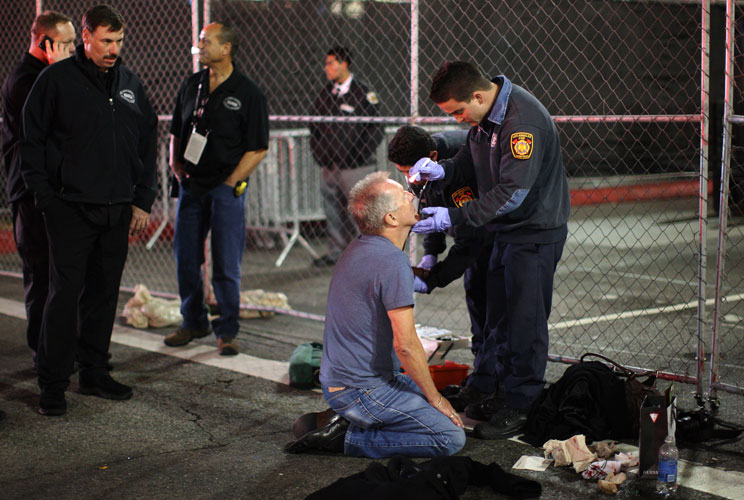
x=427, y=261
x=425, y=169
x=419, y=285
x=438, y=221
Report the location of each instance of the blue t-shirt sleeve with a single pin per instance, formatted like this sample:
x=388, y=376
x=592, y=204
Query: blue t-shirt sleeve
x=397, y=285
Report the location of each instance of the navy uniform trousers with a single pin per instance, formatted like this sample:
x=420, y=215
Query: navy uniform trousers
x=519, y=295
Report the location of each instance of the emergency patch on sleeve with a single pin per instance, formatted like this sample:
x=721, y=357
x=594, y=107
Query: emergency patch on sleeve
x=462, y=196
x=372, y=98
x=521, y=145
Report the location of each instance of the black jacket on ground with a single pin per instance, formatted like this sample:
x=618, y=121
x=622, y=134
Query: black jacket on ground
x=85, y=143
x=588, y=399
x=345, y=145
x=442, y=478
x=15, y=91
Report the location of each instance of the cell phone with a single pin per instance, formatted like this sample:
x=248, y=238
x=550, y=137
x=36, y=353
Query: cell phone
x=42, y=43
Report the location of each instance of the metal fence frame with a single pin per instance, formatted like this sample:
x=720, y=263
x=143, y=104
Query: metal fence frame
x=284, y=147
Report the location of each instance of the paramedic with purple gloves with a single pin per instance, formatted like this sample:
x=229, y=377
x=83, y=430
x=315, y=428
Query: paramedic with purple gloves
x=523, y=199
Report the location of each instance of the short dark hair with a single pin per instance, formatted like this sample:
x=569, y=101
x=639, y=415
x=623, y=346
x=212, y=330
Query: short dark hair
x=409, y=145
x=228, y=34
x=103, y=15
x=46, y=23
x=341, y=53
x=457, y=80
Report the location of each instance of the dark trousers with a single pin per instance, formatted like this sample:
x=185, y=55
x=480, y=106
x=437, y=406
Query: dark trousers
x=88, y=248
x=520, y=290
x=31, y=240
x=476, y=297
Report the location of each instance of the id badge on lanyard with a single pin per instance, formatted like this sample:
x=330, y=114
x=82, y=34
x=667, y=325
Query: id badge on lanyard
x=195, y=147
x=197, y=142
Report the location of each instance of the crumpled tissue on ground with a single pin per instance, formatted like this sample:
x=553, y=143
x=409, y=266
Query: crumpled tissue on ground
x=255, y=298
x=144, y=310
x=570, y=451
x=601, y=468
x=610, y=484
x=604, y=449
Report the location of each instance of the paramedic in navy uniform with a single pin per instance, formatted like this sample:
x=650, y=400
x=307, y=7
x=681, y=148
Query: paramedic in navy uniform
x=88, y=156
x=523, y=199
x=223, y=108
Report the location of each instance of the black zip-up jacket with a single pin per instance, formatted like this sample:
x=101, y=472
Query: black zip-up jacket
x=15, y=91
x=345, y=145
x=85, y=144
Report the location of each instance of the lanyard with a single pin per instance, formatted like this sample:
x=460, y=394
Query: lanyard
x=199, y=105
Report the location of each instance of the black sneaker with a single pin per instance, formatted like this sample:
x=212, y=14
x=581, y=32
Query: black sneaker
x=104, y=386
x=506, y=423
x=325, y=261
x=487, y=408
x=450, y=390
x=466, y=396
x=52, y=403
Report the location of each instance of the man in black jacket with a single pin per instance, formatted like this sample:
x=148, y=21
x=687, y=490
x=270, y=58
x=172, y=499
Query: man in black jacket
x=344, y=150
x=88, y=156
x=28, y=223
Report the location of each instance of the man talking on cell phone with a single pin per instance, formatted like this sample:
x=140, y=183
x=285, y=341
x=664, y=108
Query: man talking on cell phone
x=52, y=39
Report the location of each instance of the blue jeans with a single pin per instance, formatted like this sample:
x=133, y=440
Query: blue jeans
x=394, y=419
x=223, y=213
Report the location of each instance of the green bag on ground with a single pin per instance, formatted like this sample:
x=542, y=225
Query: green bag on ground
x=304, y=365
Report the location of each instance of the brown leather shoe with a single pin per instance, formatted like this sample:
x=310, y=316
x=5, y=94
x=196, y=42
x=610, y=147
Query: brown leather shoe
x=183, y=336
x=228, y=346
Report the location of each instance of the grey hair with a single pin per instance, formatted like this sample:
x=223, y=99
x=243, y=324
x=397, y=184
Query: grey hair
x=368, y=204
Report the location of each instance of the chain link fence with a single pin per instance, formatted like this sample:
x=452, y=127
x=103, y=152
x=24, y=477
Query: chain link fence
x=639, y=279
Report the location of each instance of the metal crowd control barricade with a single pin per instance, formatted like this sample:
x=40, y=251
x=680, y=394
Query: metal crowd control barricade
x=284, y=192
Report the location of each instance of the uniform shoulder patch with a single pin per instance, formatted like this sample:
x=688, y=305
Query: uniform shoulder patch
x=521, y=145
x=372, y=98
x=462, y=196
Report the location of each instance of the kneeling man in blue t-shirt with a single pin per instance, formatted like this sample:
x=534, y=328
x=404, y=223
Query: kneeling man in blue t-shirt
x=376, y=411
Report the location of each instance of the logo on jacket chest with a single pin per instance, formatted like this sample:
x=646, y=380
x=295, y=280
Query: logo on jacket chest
x=127, y=95
x=462, y=196
x=232, y=103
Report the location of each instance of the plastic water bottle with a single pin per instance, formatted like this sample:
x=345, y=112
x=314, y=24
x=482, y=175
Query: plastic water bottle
x=666, y=485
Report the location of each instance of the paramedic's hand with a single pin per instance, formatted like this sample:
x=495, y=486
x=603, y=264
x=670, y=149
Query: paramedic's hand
x=425, y=169
x=419, y=285
x=438, y=220
x=427, y=261
x=139, y=222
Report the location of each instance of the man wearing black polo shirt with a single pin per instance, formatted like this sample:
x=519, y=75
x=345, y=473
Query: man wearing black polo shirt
x=28, y=221
x=220, y=133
